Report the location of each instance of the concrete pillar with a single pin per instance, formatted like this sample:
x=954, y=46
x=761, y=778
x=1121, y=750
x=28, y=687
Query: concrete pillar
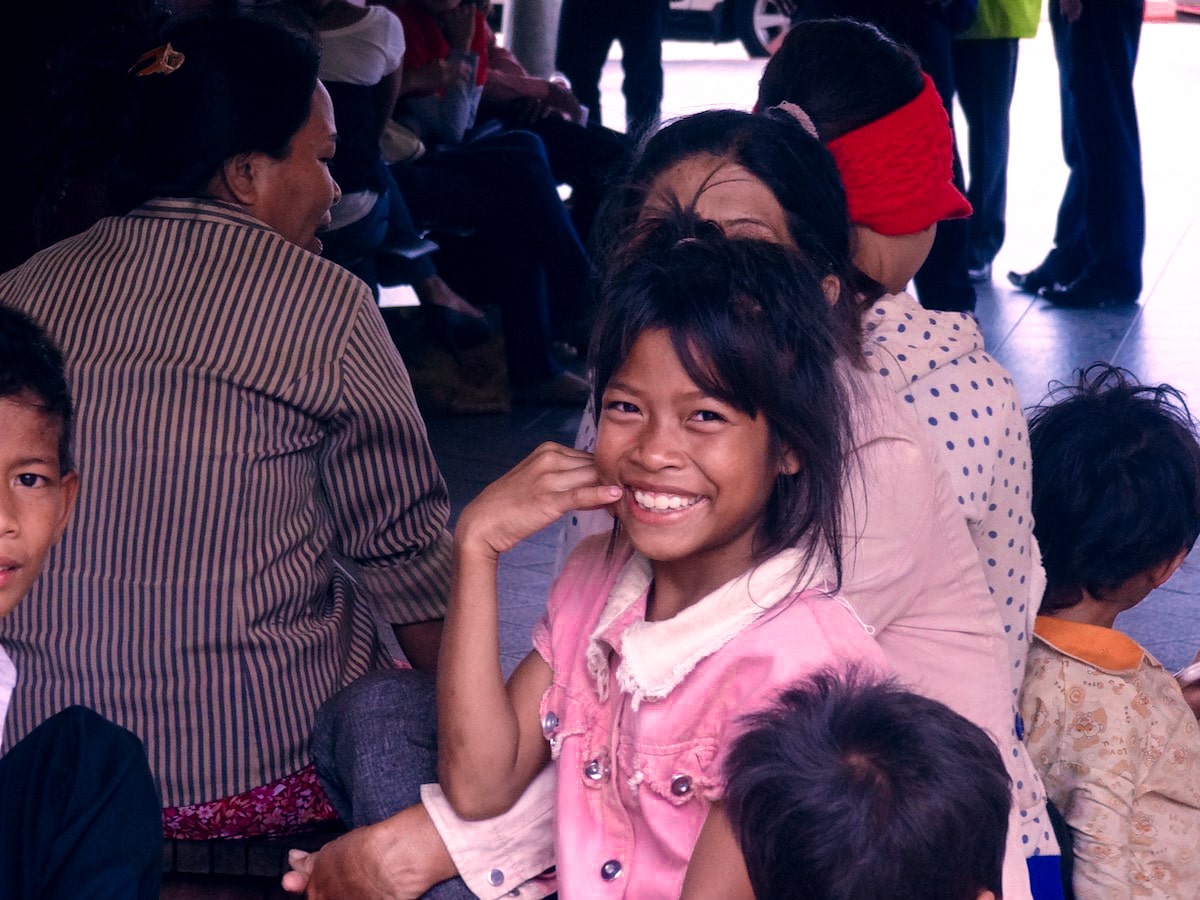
x=531, y=33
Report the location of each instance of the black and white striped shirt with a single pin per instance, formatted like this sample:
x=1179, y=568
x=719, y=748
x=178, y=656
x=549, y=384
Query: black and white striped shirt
x=243, y=422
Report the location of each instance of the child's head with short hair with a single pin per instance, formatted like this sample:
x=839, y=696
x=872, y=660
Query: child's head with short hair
x=852, y=789
x=38, y=487
x=750, y=326
x=1116, y=488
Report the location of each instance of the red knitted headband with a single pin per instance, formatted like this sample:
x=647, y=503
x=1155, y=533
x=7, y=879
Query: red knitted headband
x=897, y=170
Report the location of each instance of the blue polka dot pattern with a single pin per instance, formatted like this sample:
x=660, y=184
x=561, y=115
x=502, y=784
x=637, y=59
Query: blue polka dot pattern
x=936, y=367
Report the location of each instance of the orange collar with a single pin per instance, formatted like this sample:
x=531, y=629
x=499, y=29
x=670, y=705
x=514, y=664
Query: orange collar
x=1105, y=648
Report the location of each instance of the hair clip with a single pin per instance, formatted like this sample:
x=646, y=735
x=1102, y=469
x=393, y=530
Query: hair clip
x=160, y=61
x=793, y=111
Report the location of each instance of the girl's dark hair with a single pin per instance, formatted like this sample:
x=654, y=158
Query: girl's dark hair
x=751, y=326
x=245, y=86
x=777, y=151
x=31, y=364
x=845, y=74
x=1116, y=482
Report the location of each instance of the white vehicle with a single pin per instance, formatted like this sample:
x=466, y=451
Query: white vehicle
x=753, y=22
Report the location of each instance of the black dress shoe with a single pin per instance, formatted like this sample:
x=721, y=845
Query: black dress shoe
x=1033, y=281
x=1085, y=293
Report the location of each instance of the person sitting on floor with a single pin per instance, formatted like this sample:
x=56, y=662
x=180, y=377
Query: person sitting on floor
x=79, y=813
x=524, y=253
x=1116, y=500
x=850, y=788
x=261, y=486
x=371, y=231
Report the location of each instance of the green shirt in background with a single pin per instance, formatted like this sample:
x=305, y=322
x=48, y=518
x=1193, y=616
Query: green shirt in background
x=1005, y=19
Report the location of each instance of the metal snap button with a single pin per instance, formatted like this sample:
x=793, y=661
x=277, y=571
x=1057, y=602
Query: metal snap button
x=610, y=870
x=495, y=878
x=594, y=770
x=549, y=723
x=681, y=785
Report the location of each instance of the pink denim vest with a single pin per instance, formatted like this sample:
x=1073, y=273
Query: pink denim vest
x=640, y=714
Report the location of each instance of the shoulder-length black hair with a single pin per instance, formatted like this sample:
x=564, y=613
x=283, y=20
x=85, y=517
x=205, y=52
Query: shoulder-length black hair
x=751, y=325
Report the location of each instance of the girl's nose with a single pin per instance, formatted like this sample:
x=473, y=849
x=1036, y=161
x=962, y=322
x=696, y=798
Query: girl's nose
x=659, y=446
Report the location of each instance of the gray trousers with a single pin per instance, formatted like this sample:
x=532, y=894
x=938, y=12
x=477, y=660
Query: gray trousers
x=374, y=745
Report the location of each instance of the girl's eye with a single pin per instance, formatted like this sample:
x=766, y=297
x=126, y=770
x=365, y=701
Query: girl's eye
x=707, y=415
x=31, y=480
x=620, y=406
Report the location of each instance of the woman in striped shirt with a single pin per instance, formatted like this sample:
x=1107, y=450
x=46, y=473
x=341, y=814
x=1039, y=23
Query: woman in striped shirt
x=261, y=489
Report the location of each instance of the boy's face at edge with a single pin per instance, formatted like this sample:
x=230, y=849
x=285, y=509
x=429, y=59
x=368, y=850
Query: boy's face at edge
x=36, y=497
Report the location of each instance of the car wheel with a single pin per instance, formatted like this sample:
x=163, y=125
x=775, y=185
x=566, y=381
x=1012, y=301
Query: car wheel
x=759, y=22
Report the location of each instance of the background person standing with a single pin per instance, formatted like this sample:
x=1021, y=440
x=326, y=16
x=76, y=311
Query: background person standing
x=1101, y=229
x=586, y=31
x=985, y=71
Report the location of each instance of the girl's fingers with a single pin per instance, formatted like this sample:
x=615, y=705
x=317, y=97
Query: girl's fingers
x=596, y=497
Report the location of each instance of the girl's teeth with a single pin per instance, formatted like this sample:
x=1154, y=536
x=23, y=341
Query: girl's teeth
x=661, y=501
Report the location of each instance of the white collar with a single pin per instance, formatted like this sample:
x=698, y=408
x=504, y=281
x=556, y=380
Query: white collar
x=657, y=656
x=8, y=681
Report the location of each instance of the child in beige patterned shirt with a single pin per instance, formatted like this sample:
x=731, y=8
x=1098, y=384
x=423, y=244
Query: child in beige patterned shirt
x=1116, y=501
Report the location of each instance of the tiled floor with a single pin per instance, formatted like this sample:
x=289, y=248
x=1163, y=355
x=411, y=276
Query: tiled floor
x=1156, y=339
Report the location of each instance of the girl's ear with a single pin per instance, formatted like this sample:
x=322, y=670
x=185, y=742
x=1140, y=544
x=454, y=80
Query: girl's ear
x=789, y=462
x=832, y=287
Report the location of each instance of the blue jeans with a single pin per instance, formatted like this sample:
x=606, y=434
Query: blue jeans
x=389, y=223
x=374, y=745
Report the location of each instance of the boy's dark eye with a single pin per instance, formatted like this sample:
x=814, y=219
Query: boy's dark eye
x=708, y=415
x=29, y=479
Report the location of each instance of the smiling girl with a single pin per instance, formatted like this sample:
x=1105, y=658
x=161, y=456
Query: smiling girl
x=721, y=443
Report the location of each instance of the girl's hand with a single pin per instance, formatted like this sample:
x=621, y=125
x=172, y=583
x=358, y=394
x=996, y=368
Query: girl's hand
x=458, y=26
x=549, y=482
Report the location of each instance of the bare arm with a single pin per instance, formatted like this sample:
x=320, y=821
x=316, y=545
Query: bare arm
x=490, y=742
x=420, y=642
x=717, y=870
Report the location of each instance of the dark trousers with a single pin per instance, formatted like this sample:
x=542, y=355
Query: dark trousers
x=524, y=255
x=388, y=224
x=985, y=72
x=586, y=31
x=1101, y=230
x=79, y=813
x=590, y=159
x=374, y=744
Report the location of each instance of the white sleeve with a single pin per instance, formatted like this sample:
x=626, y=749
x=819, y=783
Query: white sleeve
x=503, y=856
